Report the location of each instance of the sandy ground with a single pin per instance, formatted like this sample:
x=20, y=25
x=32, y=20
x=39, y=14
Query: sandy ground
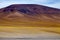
x=29, y=33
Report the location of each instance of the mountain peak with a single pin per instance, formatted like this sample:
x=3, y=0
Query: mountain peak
x=32, y=13
x=24, y=8
x=31, y=9
x=22, y=5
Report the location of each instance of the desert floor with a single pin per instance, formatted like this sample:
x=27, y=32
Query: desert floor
x=29, y=32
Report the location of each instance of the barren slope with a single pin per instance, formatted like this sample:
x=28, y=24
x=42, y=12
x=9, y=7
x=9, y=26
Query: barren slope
x=29, y=15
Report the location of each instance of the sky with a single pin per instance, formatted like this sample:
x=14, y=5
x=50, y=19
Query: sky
x=50, y=3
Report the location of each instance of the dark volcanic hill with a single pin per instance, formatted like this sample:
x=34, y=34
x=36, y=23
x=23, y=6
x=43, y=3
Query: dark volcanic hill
x=30, y=14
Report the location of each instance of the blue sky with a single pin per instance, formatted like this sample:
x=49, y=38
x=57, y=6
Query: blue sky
x=51, y=3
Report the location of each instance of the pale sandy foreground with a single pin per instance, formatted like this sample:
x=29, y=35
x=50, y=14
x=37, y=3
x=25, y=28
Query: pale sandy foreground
x=29, y=33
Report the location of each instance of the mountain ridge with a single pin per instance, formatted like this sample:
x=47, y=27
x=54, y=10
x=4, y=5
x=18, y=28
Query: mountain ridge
x=31, y=14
